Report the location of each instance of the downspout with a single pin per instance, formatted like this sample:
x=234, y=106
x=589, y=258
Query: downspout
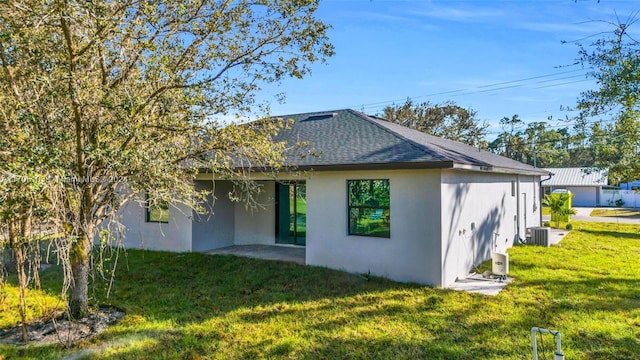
x=518, y=208
x=540, y=192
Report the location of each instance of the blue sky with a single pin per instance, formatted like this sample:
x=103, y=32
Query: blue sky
x=499, y=58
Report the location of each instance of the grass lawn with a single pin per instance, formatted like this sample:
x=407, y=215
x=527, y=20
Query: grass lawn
x=627, y=213
x=195, y=306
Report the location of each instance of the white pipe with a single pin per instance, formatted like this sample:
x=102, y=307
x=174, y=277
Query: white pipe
x=518, y=207
x=558, y=355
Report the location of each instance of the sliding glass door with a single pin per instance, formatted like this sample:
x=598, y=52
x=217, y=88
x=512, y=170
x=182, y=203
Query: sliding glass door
x=291, y=214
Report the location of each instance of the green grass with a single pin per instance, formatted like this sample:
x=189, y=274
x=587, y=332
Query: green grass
x=627, y=213
x=195, y=306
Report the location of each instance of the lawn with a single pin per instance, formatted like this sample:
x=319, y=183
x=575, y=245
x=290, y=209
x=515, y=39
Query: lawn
x=195, y=306
x=626, y=213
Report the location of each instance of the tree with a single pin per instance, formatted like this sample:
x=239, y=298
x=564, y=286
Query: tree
x=446, y=120
x=539, y=145
x=27, y=172
x=134, y=91
x=510, y=142
x=615, y=60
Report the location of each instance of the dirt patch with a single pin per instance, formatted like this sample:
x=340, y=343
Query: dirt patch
x=61, y=330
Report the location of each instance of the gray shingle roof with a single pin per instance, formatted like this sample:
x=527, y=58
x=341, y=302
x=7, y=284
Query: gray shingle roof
x=351, y=139
x=577, y=177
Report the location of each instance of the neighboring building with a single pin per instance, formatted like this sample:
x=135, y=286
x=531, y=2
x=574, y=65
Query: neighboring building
x=379, y=198
x=584, y=183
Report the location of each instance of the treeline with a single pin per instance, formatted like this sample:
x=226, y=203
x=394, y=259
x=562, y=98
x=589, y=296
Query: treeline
x=537, y=143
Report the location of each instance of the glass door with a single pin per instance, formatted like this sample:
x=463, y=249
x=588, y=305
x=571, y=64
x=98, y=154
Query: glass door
x=291, y=214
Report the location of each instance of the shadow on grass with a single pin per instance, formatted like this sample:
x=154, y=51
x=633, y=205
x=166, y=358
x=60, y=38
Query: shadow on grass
x=203, y=306
x=614, y=234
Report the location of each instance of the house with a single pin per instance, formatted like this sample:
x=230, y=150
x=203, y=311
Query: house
x=584, y=183
x=378, y=198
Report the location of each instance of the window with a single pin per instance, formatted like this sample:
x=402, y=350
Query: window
x=369, y=208
x=157, y=211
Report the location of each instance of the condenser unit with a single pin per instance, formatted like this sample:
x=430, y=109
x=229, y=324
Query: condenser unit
x=538, y=236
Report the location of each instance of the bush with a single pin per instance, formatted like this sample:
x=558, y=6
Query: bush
x=620, y=203
x=546, y=224
x=569, y=227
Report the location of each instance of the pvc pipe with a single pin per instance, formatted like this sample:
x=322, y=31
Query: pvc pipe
x=558, y=355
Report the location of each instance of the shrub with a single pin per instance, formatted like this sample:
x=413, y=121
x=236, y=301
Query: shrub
x=620, y=202
x=546, y=224
x=569, y=227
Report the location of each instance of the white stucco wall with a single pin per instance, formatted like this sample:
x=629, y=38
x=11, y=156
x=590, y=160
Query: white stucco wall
x=412, y=253
x=172, y=236
x=216, y=228
x=257, y=226
x=479, y=210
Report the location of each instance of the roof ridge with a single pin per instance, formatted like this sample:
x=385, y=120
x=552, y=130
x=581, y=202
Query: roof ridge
x=309, y=113
x=375, y=120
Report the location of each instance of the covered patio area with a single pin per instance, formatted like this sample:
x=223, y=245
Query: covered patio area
x=294, y=254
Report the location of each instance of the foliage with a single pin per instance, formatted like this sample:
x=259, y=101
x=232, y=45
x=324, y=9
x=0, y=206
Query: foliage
x=614, y=105
x=538, y=145
x=447, y=120
x=228, y=307
x=560, y=207
x=569, y=227
x=134, y=95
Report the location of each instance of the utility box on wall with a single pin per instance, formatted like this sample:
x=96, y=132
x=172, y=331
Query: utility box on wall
x=500, y=263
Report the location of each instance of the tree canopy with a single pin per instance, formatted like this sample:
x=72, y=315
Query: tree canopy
x=540, y=145
x=446, y=120
x=138, y=95
x=613, y=108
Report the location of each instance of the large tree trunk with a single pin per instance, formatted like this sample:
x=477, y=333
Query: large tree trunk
x=79, y=301
x=20, y=259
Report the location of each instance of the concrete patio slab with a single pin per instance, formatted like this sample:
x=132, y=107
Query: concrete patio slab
x=478, y=284
x=294, y=254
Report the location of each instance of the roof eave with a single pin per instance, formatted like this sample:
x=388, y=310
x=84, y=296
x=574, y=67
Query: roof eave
x=501, y=170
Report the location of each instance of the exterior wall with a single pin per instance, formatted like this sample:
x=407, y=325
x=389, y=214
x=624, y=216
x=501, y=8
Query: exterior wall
x=582, y=195
x=216, y=228
x=412, y=253
x=140, y=234
x=480, y=215
x=257, y=226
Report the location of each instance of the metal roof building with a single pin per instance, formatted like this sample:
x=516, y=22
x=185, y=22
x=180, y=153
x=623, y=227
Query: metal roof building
x=584, y=183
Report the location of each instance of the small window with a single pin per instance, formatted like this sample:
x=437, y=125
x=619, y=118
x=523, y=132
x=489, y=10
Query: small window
x=369, y=211
x=157, y=211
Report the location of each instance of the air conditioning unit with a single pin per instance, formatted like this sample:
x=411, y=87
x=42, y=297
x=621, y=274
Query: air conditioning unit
x=538, y=236
x=500, y=263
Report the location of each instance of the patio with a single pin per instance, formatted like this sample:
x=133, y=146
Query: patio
x=294, y=254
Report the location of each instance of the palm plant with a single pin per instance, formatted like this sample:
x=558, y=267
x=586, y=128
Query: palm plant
x=557, y=203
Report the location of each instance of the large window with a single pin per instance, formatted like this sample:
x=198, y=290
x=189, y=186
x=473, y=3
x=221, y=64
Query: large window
x=369, y=208
x=157, y=211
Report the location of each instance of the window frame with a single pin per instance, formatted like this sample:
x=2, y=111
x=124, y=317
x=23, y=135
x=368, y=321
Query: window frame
x=147, y=210
x=383, y=208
